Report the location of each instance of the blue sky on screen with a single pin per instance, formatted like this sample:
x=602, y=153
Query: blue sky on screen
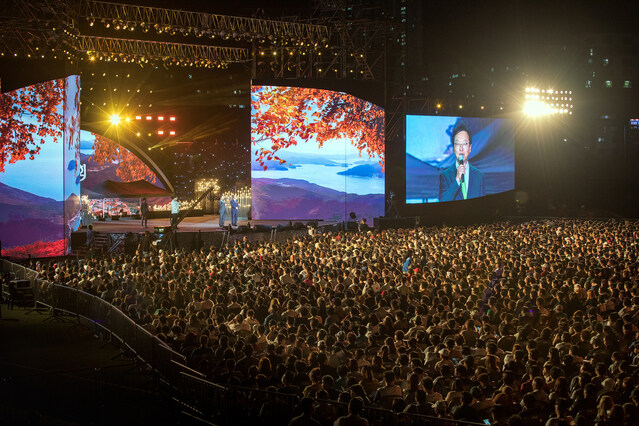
x=426, y=137
x=41, y=176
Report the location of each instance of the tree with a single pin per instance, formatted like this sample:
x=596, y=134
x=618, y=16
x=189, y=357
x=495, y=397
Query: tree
x=20, y=138
x=282, y=116
x=130, y=168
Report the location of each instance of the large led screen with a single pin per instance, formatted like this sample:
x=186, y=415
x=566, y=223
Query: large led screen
x=105, y=159
x=316, y=154
x=39, y=173
x=455, y=158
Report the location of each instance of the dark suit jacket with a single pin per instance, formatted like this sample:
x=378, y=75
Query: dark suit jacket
x=449, y=190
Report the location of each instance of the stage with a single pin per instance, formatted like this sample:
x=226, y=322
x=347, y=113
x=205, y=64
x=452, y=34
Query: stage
x=192, y=233
x=206, y=223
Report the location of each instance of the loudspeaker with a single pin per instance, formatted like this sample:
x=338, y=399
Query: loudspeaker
x=78, y=239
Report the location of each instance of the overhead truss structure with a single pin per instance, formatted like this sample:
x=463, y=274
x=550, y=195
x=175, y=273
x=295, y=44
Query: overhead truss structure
x=339, y=41
x=203, y=23
x=136, y=50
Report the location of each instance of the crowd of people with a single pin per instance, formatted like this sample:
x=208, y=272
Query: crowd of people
x=516, y=323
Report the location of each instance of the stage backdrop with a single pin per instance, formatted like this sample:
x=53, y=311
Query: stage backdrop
x=39, y=169
x=105, y=160
x=316, y=154
x=429, y=152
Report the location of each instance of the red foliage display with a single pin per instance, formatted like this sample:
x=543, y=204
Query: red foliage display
x=37, y=249
x=130, y=168
x=20, y=140
x=282, y=115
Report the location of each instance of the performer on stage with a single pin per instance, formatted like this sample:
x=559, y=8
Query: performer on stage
x=175, y=209
x=222, y=208
x=235, y=205
x=144, y=213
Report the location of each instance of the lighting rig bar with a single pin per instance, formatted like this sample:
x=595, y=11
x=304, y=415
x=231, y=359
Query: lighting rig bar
x=155, y=50
x=197, y=23
x=36, y=28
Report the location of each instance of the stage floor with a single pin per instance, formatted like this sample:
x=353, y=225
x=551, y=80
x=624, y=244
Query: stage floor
x=206, y=223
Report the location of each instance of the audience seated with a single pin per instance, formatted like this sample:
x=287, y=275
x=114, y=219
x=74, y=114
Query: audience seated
x=529, y=323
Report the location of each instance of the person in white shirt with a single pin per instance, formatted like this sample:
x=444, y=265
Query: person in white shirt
x=175, y=209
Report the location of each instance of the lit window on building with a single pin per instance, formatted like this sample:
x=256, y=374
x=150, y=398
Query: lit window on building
x=588, y=84
x=606, y=62
x=608, y=84
x=627, y=84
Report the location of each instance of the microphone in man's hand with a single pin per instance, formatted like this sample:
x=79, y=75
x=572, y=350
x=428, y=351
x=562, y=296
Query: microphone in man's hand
x=461, y=161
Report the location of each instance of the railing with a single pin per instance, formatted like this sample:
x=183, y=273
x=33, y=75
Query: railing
x=105, y=318
x=208, y=401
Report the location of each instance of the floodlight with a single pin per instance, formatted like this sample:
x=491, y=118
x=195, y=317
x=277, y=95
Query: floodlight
x=535, y=108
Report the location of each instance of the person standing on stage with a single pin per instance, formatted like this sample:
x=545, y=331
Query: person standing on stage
x=144, y=213
x=235, y=205
x=175, y=209
x=90, y=238
x=222, y=208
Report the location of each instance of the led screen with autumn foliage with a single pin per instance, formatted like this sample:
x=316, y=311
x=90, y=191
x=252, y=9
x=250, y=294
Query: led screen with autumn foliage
x=107, y=160
x=431, y=165
x=316, y=154
x=39, y=168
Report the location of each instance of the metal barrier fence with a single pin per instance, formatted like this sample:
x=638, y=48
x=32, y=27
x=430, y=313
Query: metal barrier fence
x=105, y=318
x=230, y=405
x=233, y=405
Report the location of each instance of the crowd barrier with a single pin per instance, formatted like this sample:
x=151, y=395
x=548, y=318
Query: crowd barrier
x=209, y=401
x=105, y=317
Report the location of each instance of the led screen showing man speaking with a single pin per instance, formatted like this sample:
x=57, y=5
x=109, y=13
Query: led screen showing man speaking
x=455, y=158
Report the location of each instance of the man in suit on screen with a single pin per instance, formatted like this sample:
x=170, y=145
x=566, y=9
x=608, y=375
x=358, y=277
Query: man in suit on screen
x=461, y=180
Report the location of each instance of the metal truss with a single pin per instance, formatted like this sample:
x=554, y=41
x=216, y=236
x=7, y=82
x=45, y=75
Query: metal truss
x=341, y=40
x=357, y=40
x=199, y=23
x=155, y=50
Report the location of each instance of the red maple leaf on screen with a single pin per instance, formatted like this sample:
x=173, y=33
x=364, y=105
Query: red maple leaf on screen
x=130, y=168
x=283, y=115
x=21, y=138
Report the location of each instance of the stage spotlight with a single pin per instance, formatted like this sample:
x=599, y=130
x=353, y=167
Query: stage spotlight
x=534, y=108
x=115, y=119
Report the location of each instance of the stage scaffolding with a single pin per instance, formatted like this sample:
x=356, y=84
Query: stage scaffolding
x=341, y=39
x=128, y=50
x=197, y=23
